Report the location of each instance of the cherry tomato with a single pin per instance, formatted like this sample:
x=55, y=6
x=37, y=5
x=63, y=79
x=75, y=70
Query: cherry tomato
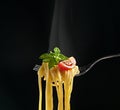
x=67, y=64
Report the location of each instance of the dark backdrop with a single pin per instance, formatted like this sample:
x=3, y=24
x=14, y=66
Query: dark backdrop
x=93, y=30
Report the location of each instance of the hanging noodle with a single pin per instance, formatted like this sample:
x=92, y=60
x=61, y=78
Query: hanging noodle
x=63, y=81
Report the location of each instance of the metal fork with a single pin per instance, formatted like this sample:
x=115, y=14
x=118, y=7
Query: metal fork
x=86, y=68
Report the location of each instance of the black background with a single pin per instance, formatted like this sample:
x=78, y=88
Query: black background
x=24, y=34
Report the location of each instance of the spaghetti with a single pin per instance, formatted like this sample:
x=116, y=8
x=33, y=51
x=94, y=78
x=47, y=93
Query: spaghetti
x=61, y=80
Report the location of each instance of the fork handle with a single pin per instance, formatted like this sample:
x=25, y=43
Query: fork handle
x=86, y=68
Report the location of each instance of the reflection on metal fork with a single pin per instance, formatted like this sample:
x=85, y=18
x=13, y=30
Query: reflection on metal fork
x=36, y=67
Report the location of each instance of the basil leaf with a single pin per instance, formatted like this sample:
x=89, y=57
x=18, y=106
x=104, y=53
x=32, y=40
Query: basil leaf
x=52, y=63
x=46, y=60
x=53, y=58
x=63, y=57
x=56, y=50
x=45, y=55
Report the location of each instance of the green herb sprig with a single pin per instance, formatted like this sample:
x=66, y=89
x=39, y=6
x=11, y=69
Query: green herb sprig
x=53, y=58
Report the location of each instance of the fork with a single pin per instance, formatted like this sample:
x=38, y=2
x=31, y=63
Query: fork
x=86, y=68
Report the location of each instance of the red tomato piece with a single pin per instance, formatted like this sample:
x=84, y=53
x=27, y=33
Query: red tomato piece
x=67, y=64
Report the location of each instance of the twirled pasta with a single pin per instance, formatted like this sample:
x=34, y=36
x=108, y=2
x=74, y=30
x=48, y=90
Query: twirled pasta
x=62, y=80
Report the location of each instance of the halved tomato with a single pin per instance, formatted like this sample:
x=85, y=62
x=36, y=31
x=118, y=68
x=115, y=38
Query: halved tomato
x=67, y=64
